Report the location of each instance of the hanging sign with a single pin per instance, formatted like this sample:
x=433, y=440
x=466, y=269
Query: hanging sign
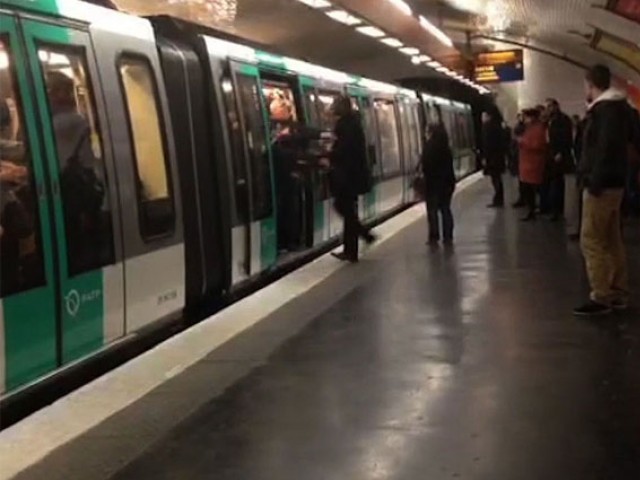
x=499, y=67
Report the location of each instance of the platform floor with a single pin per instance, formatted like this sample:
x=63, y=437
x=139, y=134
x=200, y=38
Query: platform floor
x=417, y=363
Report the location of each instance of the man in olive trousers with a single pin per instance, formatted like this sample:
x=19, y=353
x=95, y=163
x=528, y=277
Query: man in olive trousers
x=603, y=169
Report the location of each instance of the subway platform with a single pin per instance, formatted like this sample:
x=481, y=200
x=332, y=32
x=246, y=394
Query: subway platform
x=417, y=363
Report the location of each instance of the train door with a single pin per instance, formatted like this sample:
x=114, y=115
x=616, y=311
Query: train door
x=362, y=104
x=325, y=101
x=293, y=181
x=262, y=220
x=321, y=188
x=83, y=182
x=28, y=324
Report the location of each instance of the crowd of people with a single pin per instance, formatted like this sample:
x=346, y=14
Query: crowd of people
x=585, y=170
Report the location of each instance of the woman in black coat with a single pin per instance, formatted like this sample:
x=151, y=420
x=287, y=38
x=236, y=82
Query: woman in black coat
x=494, y=150
x=440, y=183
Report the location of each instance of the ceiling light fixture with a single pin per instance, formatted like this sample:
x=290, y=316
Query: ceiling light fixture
x=392, y=42
x=344, y=17
x=316, y=3
x=434, y=64
x=425, y=58
x=410, y=51
x=402, y=6
x=415, y=60
x=435, y=31
x=371, y=31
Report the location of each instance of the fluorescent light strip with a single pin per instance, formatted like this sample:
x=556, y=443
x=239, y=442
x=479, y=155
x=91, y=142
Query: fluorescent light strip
x=425, y=58
x=415, y=60
x=410, y=51
x=434, y=64
x=392, y=42
x=316, y=3
x=371, y=31
x=435, y=31
x=402, y=6
x=344, y=17
x=378, y=86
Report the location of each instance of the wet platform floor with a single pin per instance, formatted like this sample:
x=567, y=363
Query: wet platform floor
x=417, y=363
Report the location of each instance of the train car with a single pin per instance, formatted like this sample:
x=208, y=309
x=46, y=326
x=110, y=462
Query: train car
x=142, y=180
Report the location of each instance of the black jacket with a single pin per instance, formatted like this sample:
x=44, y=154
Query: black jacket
x=607, y=134
x=494, y=148
x=560, y=131
x=350, y=175
x=437, y=164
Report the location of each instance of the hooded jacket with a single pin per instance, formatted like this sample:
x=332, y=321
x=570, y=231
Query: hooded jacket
x=607, y=134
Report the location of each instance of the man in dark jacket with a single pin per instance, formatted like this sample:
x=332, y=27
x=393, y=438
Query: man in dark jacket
x=560, y=132
x=603, y=169
x=350, y=176
x=494, y=151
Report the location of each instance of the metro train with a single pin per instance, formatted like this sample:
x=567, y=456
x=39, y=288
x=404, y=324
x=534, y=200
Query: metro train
x=139, y=179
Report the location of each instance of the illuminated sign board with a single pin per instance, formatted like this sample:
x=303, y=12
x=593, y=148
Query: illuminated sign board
x=498, y=67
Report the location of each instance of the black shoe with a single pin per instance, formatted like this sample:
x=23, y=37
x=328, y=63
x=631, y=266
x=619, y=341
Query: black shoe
x=495, y=205
x=343, y=257
x=370, y=239
x=448, y=242
x=555, y=218
x=592, y=309
x=518, y=204
x=619, y=305
x=528, y=218
x=433, y=242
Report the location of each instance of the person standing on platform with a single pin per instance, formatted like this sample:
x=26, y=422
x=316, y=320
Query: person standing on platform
x=560, y=133
x=440, y=183
x=603, y=169
x=350, y=176
x=494, y=152
x=533, y=156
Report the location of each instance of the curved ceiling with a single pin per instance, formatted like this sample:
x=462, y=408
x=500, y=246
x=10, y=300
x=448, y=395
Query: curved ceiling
x=566, y=28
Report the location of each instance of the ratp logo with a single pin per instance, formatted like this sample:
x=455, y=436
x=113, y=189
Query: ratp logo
x=72, y=302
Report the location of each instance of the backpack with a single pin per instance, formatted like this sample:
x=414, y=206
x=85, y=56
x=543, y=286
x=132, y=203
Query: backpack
x=82, y=190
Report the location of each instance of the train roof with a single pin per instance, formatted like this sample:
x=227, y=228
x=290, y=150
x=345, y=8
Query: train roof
x=217, y=43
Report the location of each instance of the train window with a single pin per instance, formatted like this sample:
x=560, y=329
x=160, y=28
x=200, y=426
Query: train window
x=239, y=167
x=280, y=104
x=249, y=95
x=21, y=263
x=325, y=104
x=369, y=123
x=389, y=142
x=404, y=132
x=155, y=203
x=310, y=102
x=83, y=180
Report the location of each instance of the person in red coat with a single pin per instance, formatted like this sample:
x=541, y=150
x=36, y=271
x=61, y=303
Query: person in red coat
x=533, y=147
